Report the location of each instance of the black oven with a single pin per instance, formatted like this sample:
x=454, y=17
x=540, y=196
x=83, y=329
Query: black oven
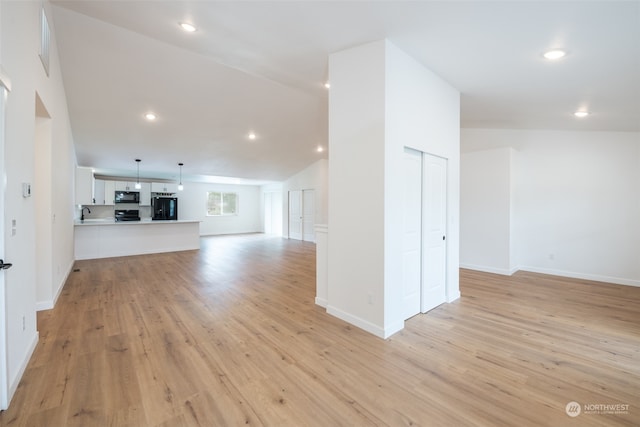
x=127, y=215
x=127, y=197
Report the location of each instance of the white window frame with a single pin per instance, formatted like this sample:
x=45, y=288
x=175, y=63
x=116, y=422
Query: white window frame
x=45, y=40
x=222, y=193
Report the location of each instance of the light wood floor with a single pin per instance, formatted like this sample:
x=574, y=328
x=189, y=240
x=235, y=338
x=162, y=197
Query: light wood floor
x=229, y=335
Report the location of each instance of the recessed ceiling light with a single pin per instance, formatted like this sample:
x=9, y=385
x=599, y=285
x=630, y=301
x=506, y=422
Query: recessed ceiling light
x=555, y=54
x=581, y=114
x=188, y=27
x=150, y=116
x=319, y=149
x=327, y=85
x=252, y=136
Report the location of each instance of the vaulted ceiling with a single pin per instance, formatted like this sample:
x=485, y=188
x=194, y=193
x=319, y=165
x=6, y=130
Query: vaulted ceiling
x=261, y=67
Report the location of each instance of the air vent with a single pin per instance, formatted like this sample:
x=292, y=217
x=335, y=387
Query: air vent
x=45, y=39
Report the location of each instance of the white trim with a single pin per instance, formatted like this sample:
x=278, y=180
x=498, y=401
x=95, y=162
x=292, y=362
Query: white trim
x=393, y=328
x=4, y=365
x=23, y=366
x=583, y=276
x=322, y=269
x=44, y=305
x=365, y=325
x=452, y=298
x=552, y=272
x=321, y=302
x=48, y=305
x=493, y=270
x=356, y=321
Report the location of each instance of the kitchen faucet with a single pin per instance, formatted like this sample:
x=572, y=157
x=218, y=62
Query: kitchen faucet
x=82, y=212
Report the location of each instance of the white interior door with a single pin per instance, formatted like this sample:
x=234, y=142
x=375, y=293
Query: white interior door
x=295, y=214
x=412, y=233
x=268, y=208
x=308, y=216
x=4, y=380
x=273, y=213
x=276, y=213
x=434, y=216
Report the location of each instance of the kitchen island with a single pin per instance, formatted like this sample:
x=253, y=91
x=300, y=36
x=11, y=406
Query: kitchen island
x=105, y=238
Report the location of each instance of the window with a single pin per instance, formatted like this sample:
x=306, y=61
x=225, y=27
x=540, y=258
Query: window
x=45, y=38
x=219, y=204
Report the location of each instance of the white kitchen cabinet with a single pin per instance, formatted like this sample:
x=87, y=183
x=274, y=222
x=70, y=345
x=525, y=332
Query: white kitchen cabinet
x=109, y=192
x=103, y=192
x=98, y=192
x=164, y=187
x=105, y=239
x=84, y=186
x=125, y=186
x=145, y=194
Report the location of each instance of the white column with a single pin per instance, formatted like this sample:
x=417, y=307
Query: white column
x=382, y=100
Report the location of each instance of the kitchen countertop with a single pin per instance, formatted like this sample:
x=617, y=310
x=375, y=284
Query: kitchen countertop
x=105, y=238
x=145, y=221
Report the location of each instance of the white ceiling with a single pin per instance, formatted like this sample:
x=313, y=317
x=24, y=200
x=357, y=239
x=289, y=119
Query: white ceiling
x=260, y=66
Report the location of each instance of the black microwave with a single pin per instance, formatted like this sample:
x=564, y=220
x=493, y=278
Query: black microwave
x=127, y=197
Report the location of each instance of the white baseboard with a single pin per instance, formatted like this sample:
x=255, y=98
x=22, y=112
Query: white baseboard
x=44, y=305
x=454, y=296
x=321, y=302
x=561, y=273
x=13, y=385
x=486, y=269
x=48, y=305
x=356, y=321
x=393, y=328
x=583, y=276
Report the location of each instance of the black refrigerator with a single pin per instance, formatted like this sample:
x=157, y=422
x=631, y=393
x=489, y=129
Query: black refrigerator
x=164, y=208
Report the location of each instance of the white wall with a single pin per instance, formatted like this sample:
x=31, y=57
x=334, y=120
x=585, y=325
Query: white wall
x=576, y=201
x=356, y=180
x=313, y=177
x=20, y=32
x=382, y=100
x=423, y=113
x=42, y=195
x=192, y=203
x=485, y=210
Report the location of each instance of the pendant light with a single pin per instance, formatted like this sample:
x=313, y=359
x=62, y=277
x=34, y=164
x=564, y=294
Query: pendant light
x=138, y=185
x=180, y=186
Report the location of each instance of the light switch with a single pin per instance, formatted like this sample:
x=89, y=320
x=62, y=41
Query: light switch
x=26, y=190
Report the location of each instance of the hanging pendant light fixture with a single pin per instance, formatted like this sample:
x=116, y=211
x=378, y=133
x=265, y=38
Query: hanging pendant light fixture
x=138, y=185
x=180, y=186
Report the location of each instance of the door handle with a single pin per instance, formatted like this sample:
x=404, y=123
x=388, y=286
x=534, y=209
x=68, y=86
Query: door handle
x=4, y=266
x=442, y=237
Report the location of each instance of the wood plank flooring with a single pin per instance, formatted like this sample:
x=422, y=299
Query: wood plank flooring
x=229, y=335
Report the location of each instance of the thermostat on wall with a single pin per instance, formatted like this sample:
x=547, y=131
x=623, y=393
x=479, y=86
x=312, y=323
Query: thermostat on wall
x=26, y=189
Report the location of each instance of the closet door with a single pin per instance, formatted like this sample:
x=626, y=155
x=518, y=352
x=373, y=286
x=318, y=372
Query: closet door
x=434, y=231
x=295, y=214
x=412, y=233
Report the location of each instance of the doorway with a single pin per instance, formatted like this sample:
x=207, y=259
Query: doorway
x=424, y=232
x=43, y=167
x=273, y=213
x=302, y=215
